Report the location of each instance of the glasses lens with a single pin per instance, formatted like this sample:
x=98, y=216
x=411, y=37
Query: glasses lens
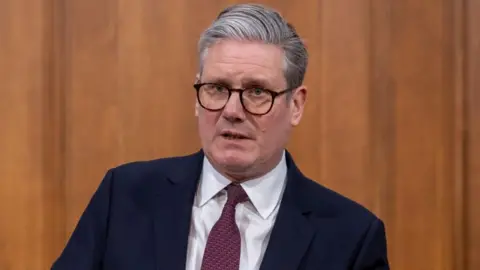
x=212, y=96
x=257, y=101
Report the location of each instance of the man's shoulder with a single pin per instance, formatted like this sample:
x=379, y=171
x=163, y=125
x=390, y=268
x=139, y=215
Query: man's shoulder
x=325, y=202
x=347, y=227
x=163, y=163
x=142, y=171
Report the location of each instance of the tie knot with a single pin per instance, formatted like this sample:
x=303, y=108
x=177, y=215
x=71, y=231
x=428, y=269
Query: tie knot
x=236, y=194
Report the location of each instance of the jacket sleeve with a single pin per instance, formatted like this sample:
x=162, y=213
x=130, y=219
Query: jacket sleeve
x=373, y=249
x=85, y=248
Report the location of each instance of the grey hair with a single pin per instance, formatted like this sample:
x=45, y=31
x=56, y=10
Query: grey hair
x=254, y=22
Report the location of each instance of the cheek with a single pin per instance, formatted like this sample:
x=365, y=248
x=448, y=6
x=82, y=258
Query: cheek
x=269, y=132
x=272, y=129
x=207, y=123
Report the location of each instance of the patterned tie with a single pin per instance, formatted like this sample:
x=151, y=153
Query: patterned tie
x=222, y=251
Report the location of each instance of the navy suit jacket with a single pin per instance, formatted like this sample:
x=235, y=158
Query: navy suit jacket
x=139, y=219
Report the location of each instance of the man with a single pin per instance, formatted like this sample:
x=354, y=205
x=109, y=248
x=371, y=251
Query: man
x=240, y=202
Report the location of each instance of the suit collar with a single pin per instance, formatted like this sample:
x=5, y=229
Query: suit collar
x=185, y=170
x=171, y=207
x=264, y=192
x=174, y=198
x=292, y=228
x=298, y=187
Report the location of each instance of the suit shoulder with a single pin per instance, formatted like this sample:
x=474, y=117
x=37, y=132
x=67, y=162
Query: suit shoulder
x=148, y=165
x=137, y=171
x=327, y=201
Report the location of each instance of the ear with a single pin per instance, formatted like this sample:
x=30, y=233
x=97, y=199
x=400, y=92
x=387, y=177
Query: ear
x=197, y=106
x=299, y=98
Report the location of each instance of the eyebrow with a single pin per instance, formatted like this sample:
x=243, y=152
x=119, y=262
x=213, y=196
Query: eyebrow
x=256, y=82
x=245, y=82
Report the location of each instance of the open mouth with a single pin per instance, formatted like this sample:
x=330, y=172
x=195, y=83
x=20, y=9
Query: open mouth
x=233, y=136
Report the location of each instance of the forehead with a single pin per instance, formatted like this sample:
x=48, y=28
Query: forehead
x=239, y=61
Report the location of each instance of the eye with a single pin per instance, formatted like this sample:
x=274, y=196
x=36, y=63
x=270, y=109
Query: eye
x=258, y=91
x=219, y=88
x=215, y=88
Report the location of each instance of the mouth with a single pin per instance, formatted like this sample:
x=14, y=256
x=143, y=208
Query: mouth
x=230, y=135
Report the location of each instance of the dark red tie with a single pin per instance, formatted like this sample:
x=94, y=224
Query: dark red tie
x=222, y=251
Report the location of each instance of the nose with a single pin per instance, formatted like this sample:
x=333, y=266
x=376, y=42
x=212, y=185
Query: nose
x=233, y=110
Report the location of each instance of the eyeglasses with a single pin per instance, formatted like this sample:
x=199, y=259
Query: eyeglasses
x=257, y=101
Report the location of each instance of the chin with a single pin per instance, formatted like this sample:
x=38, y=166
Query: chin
x=234, y=160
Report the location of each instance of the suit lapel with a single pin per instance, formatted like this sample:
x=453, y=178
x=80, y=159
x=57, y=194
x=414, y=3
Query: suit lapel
x=292, y=232
x=172, y=207
x=289, y=241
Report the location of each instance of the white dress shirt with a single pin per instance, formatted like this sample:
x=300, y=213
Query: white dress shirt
x=255, y=218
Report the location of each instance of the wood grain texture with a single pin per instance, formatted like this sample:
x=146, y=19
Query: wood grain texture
x=345, y=100
x=93, y=128
x=382, y=111
x=28, y=215
x=130, y=89
x=458, y=27
x=391, y=118
x=53, y=132
x=473, y=133
x=422, y=205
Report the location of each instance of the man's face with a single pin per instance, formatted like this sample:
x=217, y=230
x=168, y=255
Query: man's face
x=238, y=64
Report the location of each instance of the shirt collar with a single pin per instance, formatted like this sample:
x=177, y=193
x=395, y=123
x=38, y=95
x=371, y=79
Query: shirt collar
x=264, y=192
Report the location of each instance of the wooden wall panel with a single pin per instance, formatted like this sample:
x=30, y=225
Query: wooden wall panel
x=391, y=116
x=472, y=172
x=421, y=229
x=457, y=65
x=29, y=214
x=373, y=74
x=93, y=128
x=130, y=93
x=344, y=102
